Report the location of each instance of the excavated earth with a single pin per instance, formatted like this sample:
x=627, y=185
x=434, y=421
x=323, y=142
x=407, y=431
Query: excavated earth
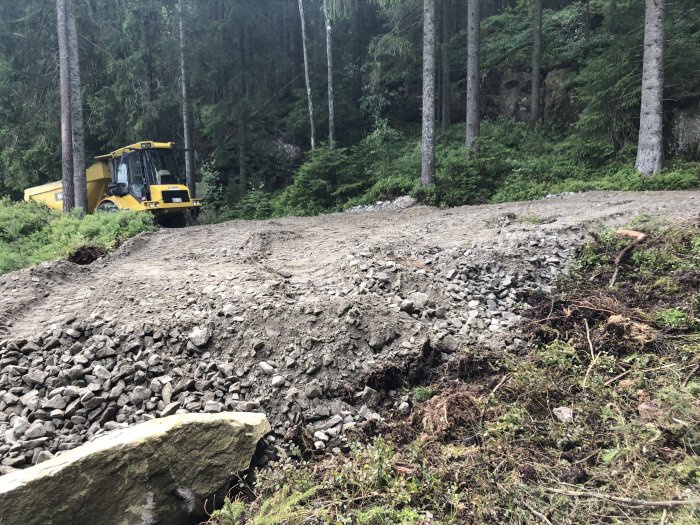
x=306, y=319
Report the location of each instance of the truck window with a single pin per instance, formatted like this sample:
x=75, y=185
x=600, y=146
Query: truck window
x=136, y=185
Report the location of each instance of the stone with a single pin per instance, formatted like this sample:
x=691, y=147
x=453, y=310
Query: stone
x=153, y=472
x=213, y=407
x=267, y=368
x=420, y=300
x=277, y=381
x=36, y=430
x=406, y=306
x=378, y=339
x=35, y=377
x=170, y=409
x=140, y=395
x=199, y=336
x=564, y=414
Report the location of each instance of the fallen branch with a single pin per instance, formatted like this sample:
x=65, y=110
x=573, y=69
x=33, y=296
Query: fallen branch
x=594, y=357
x=637, y=237
x=634, y=502
x=644, y=371
x=690, y=375
x=536, y=513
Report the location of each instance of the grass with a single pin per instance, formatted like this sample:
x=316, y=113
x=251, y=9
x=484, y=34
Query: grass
x=491, y=449
x=31, y=234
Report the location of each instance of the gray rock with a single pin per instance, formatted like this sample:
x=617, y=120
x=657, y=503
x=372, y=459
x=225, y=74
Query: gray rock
x=267, y=368
x=170, y=409
x=199, y=336
x=35, y=377
x=36, y=430
x=140, y=395
x=420, y=300
x=213, y=407
x=155, y=472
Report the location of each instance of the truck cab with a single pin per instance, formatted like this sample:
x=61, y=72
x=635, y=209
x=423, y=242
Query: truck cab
x=145, y=177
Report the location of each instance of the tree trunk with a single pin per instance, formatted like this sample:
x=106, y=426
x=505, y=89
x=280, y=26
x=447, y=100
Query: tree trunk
x=77, y=129
x=306, y=74
x=331, y=95
x=186, y=112
x=428, y=145
x=473, y=71
x=536, y=62
x=650, y=151
x=66, y=124
x=446, y=98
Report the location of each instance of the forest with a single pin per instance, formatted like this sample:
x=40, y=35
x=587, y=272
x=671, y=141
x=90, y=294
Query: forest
x=302, y=107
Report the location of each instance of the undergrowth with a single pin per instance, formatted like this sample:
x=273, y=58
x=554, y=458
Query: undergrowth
x=31, y=233
x=512, y=162
x=597, y=421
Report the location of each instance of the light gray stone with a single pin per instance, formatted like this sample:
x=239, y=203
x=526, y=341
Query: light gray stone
x=154, y=472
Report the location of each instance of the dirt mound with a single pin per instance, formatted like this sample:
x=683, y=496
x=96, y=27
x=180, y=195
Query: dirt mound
x=312, y=320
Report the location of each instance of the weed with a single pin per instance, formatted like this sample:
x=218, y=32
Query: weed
x=421, y=394
x=671, y=318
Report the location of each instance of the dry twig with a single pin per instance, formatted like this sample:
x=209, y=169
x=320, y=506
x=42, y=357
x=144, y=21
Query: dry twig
x=633, y=502
x=637, y=237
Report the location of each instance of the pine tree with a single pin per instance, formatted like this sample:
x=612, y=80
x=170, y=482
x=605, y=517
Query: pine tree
x=650, y=149
x=77, y=126
x=186, y=105
x=428, y=143
x=473, y=71
x=66, y=118
x=536, y=62
x=329, y=55
x=305, y=47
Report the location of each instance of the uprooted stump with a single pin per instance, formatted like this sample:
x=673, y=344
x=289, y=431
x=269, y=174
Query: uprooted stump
x=161, y=471
x=84, y=255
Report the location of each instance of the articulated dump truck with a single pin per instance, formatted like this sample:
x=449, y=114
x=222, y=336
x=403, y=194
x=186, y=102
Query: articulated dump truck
x=140, y=177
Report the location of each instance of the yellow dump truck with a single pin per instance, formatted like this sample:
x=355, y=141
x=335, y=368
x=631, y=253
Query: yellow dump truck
x=140, y=177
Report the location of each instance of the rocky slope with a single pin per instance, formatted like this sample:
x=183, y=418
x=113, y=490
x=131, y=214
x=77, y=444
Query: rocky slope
x=310, y=320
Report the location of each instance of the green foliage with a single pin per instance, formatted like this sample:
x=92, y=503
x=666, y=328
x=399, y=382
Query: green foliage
x=421, y=394
x=324, y=183
x=232, y=512
x=30, y=234
x=671, y=317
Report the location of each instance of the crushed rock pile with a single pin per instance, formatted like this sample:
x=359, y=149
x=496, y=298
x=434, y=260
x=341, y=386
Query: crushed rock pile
x=314, y=358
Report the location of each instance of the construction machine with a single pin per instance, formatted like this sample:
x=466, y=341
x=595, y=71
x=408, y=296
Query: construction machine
x=140, y=177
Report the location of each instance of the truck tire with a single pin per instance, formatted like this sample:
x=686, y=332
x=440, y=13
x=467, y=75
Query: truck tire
x=107, y=206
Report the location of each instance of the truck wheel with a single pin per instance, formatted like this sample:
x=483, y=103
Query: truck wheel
x=107, y=206
x=180, y=220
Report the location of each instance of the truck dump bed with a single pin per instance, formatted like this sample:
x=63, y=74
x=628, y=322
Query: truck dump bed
x=51, y=194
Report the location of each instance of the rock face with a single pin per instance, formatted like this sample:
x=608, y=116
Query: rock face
x=156, y=472
x=685, y=132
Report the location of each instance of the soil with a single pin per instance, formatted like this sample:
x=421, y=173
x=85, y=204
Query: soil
x=312, y=320
x=150, y=278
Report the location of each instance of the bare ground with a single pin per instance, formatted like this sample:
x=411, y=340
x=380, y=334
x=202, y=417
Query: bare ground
x=152, y=277
x=312, y=320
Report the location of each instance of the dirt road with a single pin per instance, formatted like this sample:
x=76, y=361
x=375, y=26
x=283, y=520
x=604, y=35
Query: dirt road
x=153, y=278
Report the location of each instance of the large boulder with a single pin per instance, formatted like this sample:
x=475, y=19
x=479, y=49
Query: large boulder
x=156, y=472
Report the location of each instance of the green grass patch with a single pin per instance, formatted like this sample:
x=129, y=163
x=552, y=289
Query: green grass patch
x=31, y=234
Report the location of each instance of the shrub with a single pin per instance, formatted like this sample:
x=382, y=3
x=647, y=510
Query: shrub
x=324, y=183
x=30, y=233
